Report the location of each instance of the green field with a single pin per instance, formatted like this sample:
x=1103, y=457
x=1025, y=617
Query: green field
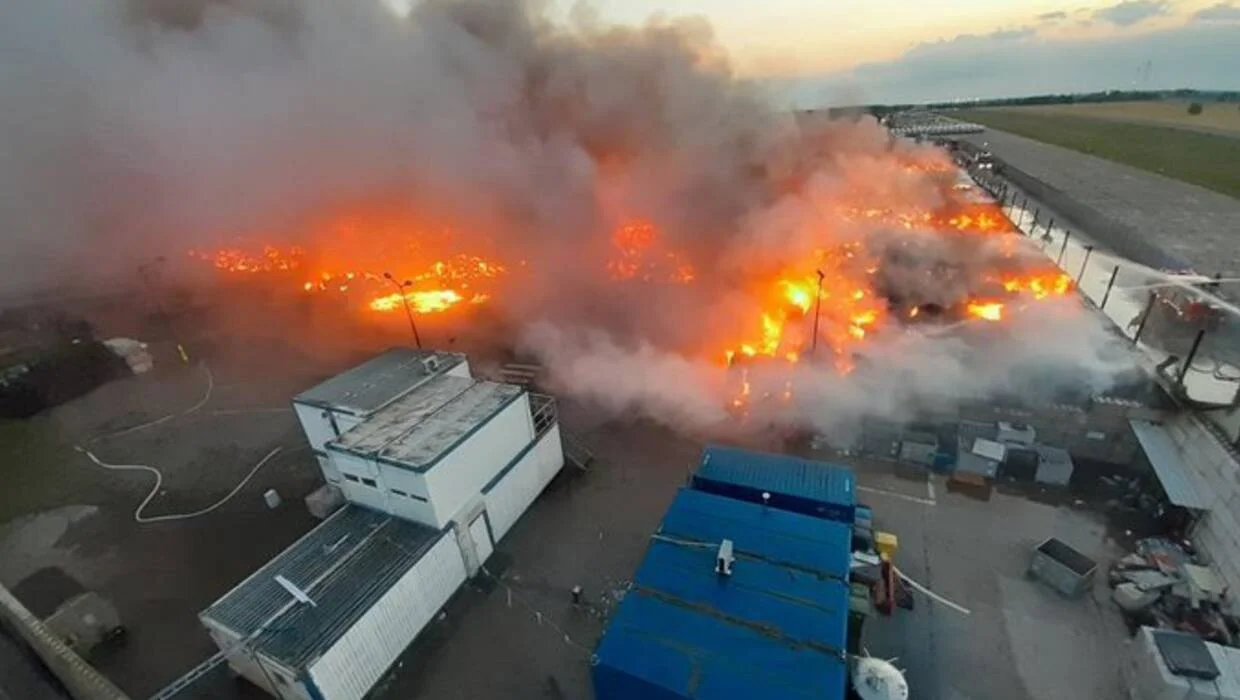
x=1202, y=159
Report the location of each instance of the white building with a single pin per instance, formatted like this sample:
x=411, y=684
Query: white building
x=347, y=399
x=371, y=583
x=437, y=467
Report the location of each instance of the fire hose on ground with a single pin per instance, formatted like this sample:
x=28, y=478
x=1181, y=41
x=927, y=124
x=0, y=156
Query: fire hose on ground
x=159, y=477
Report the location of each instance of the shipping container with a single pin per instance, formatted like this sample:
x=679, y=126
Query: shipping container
x=326, y=618
x=799, y=485
x=775, y=627
x=429, y=454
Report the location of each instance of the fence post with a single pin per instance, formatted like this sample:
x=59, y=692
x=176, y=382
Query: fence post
x=1145, y=316
x=1063, y=248
x=1110, y=283
x=1089, y=250
x=1192, y=353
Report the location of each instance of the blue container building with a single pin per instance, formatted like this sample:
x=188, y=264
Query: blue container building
x=799, y=485
x=775, y=628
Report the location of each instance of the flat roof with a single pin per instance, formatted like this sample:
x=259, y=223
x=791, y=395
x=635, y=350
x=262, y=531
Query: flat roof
x=344, y=565
x=378, y=381
x=373, y=434
x=779, y=474
x=416, y=430
x=439, y=432
x=776, y=628
x=1163, y=455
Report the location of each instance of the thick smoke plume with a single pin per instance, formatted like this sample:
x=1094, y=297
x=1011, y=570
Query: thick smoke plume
x=144, y=128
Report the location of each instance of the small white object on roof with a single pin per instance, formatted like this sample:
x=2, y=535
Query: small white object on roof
x=724, y=559
x=989, y=449
x=298, y=594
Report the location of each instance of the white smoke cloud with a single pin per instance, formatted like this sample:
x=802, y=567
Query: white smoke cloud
x=1036, y=354
x=140, y=128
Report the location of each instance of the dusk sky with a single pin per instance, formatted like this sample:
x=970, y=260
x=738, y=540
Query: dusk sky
x=815, y=52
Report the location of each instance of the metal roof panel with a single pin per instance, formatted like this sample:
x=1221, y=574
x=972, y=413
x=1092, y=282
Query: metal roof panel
x=782, y=473
x=344, y=565
x=439, y=432
x=387, y=424
x=415, y=431
x=378, y=381
x=1165, y=458
x=776, y=628
x=796, y=540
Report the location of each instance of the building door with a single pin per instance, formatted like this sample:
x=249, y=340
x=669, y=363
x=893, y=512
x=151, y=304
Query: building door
x=481, y=536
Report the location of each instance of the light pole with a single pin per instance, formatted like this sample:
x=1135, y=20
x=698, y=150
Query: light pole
x=144, y=271
x=813, y=347
x=400, y=287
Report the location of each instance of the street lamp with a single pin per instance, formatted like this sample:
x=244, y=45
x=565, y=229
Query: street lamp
x=401, y=286
x=817, y=312
x=148, y=281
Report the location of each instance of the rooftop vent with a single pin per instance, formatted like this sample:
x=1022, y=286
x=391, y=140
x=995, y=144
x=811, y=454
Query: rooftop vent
x=724, y=560
x=431, y=364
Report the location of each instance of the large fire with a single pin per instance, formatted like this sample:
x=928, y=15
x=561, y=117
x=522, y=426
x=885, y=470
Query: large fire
x=822, y=309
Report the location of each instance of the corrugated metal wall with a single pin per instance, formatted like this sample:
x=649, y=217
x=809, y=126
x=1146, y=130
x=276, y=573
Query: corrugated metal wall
x=513, y=494
x=354, y=664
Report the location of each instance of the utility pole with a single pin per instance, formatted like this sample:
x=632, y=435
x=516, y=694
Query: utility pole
x=813, y=347
x=401, y=287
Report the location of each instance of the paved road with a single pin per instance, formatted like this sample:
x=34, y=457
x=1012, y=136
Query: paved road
x=1194, y=224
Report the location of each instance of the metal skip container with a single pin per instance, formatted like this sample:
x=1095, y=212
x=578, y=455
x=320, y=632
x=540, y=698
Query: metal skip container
x=1062, y=568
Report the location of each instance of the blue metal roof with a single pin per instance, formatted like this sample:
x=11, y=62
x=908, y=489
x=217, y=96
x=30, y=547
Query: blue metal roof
x=778, y=536
x=800, y=485
x=776, y=628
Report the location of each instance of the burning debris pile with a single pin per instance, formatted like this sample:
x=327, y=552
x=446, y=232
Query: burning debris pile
x=655, y=231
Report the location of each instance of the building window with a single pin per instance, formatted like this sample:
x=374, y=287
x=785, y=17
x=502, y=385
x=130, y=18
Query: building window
x=370, y=482
x=400, y=493
x=350, y=477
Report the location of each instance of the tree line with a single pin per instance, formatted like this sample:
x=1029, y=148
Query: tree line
x=880, y=110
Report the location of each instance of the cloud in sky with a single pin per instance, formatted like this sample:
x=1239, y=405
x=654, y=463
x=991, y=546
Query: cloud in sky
x=1052, y=16
x=966, y=42
x=1222, y=12
x=1131, y=12
x=1014, y=62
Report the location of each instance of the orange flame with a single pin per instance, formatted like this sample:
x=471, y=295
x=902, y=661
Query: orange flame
x=989, y=311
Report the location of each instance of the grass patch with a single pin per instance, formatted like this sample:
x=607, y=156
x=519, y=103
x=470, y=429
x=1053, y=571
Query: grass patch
x=1201, y=159
x=35, y=466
